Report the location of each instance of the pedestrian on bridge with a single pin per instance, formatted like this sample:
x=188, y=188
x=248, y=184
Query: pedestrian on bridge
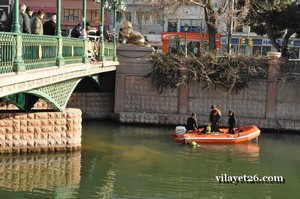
x=50, y=26
x=29, y=12
x=24, y=24
x=37, y=24
x=76, y=31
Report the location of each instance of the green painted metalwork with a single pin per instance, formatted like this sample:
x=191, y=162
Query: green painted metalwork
x=109, y=51
x=20, y=52
x=6, y=52
x=39, y=51
x=85, y=58
x=22, y=100
x=18, y=62
x=59, y=57
x=57, y=95
x=101, y=46
x=73, y=50
x=96, y=79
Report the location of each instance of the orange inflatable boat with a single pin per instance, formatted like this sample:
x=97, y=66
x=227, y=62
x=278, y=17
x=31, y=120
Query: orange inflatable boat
x=243, y=134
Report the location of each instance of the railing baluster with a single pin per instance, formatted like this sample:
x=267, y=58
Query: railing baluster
x=6, y=52
x=40, y=51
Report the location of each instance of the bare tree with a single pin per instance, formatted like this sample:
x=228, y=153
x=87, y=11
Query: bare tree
x=220, y=15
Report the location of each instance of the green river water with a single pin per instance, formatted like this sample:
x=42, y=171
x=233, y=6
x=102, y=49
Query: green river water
x=130, y=161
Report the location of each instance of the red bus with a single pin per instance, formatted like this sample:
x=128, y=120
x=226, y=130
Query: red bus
x=195, y=41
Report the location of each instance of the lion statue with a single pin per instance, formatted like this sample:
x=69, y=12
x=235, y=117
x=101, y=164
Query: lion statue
x=132, y=36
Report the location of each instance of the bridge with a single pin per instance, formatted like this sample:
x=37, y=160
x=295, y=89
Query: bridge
x=49, y=67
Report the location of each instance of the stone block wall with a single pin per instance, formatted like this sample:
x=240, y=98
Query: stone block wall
x=140, y=97
x=40, y=131
x=250, y=102
x=267, y=103
x=288, y=98
x=93, y=105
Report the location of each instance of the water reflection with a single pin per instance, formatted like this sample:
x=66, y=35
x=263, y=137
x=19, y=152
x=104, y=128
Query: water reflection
x=247, y=151
x=59, y=172
x=122, y=161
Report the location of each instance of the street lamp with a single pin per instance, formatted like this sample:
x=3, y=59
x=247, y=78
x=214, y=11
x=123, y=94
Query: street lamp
x=116, y=5
x=108, y=5
x=101, y=49
x=186, y=27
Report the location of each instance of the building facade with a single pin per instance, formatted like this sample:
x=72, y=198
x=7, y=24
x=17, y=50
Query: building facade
x=153, y=21
x=71, y=13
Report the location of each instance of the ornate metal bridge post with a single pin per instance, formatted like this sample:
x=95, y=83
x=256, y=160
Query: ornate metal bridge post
x=85, y=59
x=115, y=7
x=19, y=65
x=101, y=50
x=59, y=58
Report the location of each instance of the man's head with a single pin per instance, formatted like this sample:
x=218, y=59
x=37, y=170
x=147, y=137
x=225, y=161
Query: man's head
x=53, y=18
x=29, y=11
x=41, y=14
x=22, y=8
x=230, y=113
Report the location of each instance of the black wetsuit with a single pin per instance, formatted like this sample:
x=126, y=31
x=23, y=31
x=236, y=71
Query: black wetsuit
x=191, y=124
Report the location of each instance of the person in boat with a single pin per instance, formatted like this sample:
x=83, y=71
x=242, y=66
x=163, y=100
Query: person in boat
x=192, y=123
x=214, y=107
x=215, y=119
x=231, y=122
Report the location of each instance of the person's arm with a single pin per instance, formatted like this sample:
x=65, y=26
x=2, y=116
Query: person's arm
x=234, y=121
x=34, y=26
x=26, y=24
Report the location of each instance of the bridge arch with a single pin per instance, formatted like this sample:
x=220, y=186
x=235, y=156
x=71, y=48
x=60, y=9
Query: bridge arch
x=56, y=95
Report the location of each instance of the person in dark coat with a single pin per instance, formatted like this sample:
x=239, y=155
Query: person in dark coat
x=192, y=123
x=26, y=20
x=105, y=34
x=231, y=122
x=29, y=12
x=50, y=26
x=215, y=118
x=24, y=24
x=76, y=31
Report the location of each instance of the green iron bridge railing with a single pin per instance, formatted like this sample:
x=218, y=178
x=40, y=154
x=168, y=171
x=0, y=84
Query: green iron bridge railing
x=40, y=51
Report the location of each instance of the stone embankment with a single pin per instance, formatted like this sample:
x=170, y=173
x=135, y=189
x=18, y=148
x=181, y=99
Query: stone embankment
x=267, y=103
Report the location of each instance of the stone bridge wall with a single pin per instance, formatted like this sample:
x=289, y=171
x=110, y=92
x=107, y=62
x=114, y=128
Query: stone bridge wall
x=40, y=131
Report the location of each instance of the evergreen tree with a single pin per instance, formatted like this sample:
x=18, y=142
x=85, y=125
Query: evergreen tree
x=277, y=19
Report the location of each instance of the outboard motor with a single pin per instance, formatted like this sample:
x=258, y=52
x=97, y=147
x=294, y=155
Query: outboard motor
x=179, y=130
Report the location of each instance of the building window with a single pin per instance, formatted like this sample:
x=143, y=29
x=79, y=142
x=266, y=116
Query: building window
x=183, y=22
x=148, y=18
x=119, y=16
x=172, y=25
x=195, y=25
x=71, y=15
x=92, y=14
x=128, y=16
